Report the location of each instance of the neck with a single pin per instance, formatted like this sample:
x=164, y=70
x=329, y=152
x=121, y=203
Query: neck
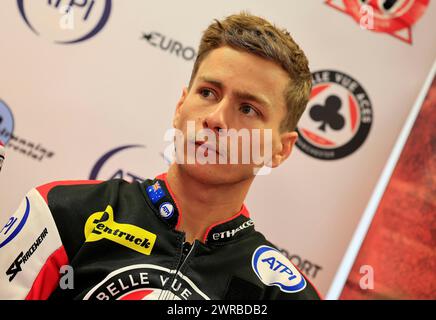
x=202, y=204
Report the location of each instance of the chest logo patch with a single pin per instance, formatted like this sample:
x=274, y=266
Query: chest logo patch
x=101, y=225
x=274, y=269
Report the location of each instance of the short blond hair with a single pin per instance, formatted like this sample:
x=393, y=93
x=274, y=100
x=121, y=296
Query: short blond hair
x=256, y=35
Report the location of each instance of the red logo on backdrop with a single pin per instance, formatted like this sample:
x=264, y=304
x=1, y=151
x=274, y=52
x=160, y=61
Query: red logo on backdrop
x=394, y=17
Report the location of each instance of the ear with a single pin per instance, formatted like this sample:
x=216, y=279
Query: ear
x=179, y=106
x=287, y=142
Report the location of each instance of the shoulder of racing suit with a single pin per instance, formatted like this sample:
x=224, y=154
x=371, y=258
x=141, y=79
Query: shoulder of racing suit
x=35, y=241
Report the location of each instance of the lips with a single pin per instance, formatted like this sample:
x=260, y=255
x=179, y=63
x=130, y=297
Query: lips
x=207, y=147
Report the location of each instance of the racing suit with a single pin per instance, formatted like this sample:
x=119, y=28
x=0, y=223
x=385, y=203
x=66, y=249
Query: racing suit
x=119, y=240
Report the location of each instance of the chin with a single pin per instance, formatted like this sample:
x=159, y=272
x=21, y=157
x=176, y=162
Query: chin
x=215, y=174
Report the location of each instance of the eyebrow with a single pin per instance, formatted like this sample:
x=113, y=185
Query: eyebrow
x=242, y=95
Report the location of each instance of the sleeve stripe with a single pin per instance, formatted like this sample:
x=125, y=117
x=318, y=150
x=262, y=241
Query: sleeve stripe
x=23, y=257
x=48, y=277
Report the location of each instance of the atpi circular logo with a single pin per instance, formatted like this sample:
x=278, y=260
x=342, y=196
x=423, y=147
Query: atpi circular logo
x=6, y=123
x=338, y=117
x=274, y=269
x=65, y=22
x=166, y=210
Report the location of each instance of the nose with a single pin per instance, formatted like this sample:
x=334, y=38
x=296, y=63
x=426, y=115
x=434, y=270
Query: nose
x=216, y=118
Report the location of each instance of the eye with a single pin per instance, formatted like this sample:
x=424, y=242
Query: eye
x=249, y=110
x=206, y=93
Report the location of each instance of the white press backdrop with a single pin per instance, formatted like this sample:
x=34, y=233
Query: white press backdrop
x=79, y=101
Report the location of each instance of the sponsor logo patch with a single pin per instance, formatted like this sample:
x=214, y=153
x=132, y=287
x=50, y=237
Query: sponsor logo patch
x=22, y=258
x=101, y=225
x=166, y=210
x=14, y=225
x=145, y=282
x=231, y=233
x=274, y=269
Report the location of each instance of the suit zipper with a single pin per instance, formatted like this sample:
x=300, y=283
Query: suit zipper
x=187, y=248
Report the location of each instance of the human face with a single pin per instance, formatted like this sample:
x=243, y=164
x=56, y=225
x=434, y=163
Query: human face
x=235, y=90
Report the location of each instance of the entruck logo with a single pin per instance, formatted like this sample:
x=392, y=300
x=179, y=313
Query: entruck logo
x=6, y=123
x=110, y=165
x=15, y=224
x=274, y=269
x=145, y=282
x=65, y=22
x=101, y=225
x=173, y=47
x=338, y=117
x=393, y=17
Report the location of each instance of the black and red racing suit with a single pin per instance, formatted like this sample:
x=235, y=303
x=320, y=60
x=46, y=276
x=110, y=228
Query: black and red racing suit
x=120, y=240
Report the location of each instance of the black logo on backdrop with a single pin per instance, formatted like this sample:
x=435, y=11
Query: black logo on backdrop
x=338, y=117
x=172, y=46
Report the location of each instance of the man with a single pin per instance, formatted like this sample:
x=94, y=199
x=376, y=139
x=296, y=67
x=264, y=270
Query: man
x=185, y=234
